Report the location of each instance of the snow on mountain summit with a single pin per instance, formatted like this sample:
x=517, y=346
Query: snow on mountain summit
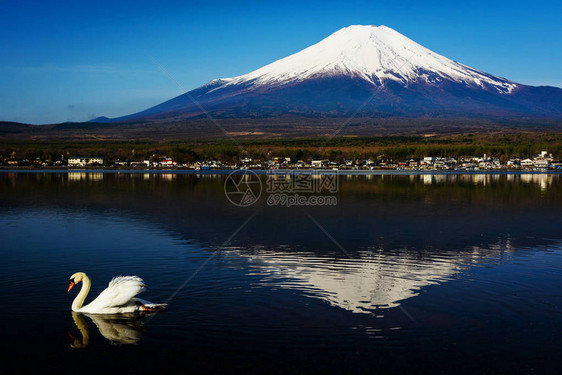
x=374, y=54
x=371, y=69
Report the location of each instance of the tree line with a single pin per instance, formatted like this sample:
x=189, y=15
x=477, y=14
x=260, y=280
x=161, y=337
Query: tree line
x=337, y=149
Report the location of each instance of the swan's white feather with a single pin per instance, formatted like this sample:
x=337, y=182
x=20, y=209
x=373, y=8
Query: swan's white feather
x=122, y=289
x=118, y=297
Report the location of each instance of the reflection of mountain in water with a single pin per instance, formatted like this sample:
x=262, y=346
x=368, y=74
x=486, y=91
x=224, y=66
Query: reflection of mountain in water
x=373, y=279
x=374, y=211
x=118, y=329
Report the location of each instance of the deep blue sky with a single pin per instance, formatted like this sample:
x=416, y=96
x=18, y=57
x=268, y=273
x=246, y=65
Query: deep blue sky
x=72, y=61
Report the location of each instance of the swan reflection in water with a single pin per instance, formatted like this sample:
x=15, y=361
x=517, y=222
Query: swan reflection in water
x=121, y=329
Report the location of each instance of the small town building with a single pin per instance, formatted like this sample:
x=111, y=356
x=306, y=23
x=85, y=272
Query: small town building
x=168, y=162
x=317, y=163
x=81, y=161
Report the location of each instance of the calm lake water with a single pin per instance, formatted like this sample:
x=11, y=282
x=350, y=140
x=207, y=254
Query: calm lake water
x=406, y=274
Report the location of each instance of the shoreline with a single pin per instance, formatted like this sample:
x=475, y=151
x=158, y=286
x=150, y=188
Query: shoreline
x=342, y=172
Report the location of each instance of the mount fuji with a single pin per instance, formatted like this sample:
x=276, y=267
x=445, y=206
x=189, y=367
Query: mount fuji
x=368, y=71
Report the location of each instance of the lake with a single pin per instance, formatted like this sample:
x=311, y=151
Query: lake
x=397, y=274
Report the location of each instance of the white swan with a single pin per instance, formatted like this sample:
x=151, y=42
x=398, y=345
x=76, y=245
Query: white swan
x=117, y=298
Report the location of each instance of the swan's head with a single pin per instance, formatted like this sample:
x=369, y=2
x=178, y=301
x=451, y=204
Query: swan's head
x=75, y=279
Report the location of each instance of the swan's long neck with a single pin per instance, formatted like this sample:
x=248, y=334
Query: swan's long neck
x=79, y=300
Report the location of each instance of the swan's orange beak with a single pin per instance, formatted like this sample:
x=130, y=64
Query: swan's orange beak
x=70, y=285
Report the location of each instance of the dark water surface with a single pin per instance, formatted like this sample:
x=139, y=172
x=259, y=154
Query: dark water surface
x=406, y=274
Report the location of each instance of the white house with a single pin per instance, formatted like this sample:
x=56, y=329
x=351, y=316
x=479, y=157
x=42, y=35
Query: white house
x=79, y=161
x=317, y=163
x=541, y=163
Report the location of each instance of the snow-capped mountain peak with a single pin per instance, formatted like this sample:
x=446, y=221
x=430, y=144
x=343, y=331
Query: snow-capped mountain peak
x=373, y=70
x=371, y=53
